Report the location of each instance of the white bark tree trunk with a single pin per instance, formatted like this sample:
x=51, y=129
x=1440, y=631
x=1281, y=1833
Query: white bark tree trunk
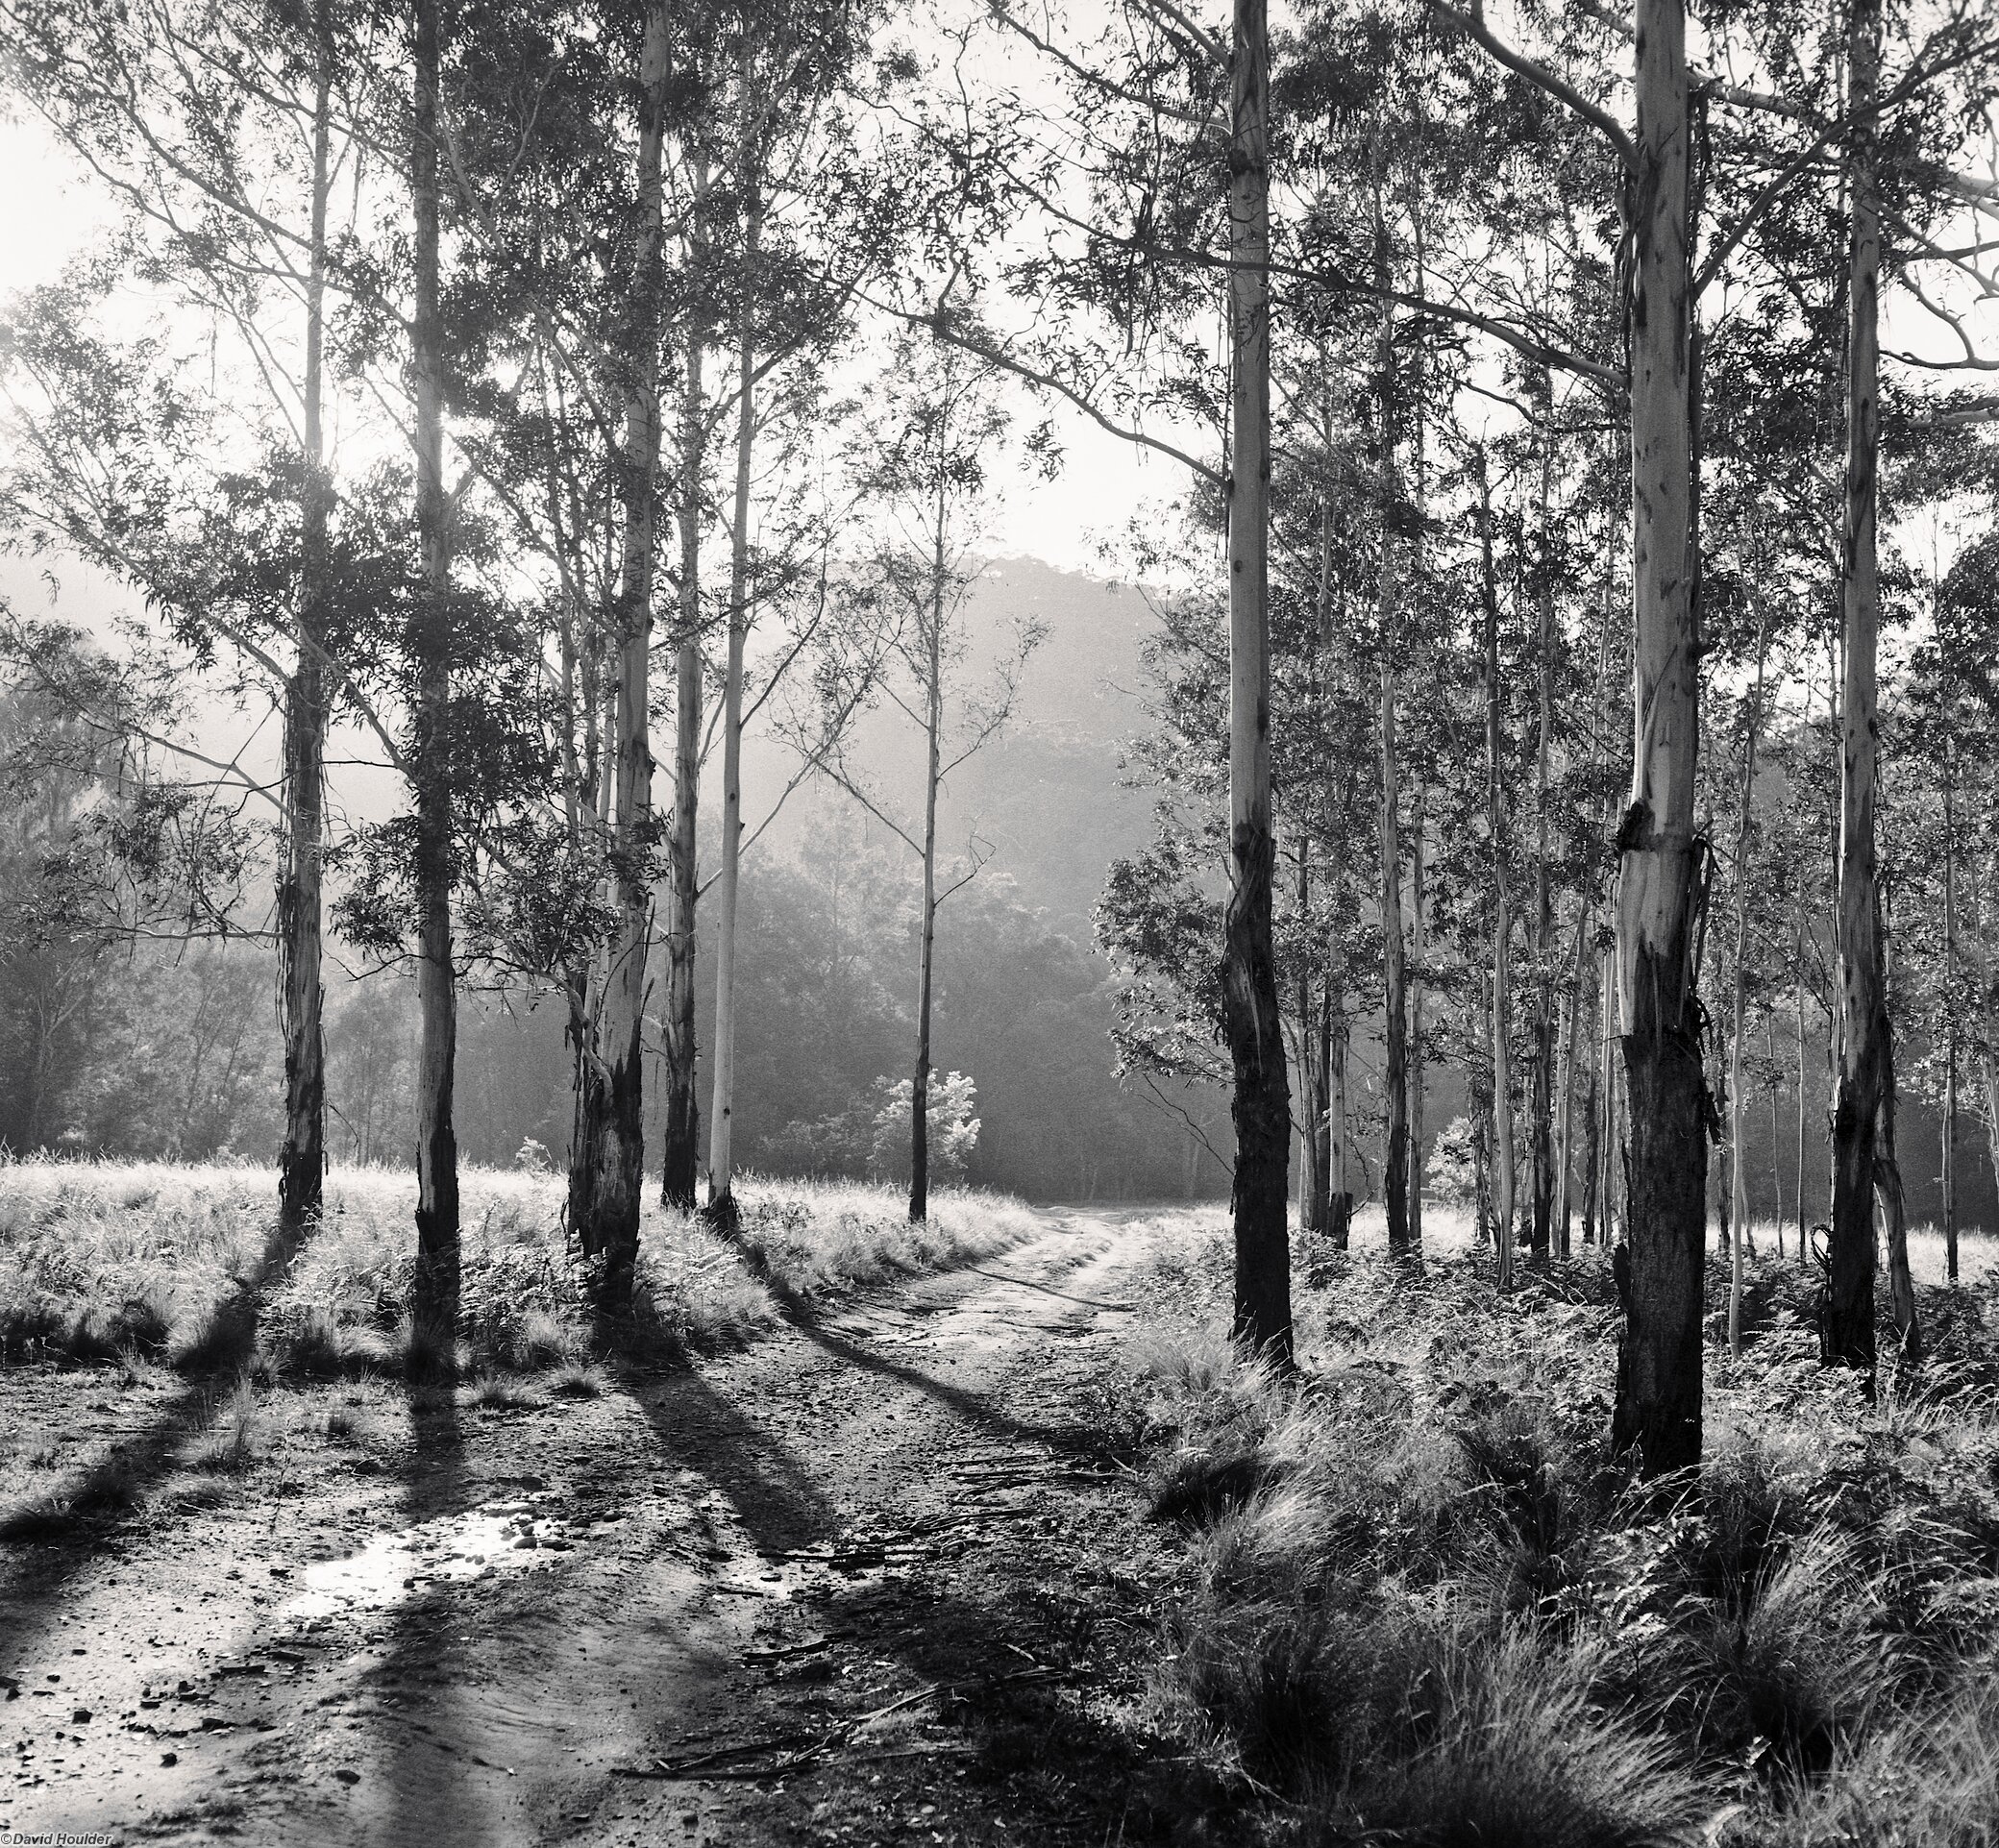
x=607, y=1178
x=1738, y=1202
x=933, y=756
x=679, y=1157
x=435, y=1291
x=722, y=1108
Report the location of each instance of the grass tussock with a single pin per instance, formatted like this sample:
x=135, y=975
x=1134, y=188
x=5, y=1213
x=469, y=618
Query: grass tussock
x=106, y=1491
x=240, y=1435
x=136, y=1261
x=579, y=1380
x=1427, y=1607
x=817, y=1238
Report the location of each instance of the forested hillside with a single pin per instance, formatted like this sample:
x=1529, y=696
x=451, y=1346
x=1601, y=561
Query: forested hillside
x=153, y=1049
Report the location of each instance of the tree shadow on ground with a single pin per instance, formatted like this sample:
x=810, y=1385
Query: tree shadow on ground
x=1048, y=1289
x=775, y=1495
x=807, y=1317
x=987, y=1625
x=1008, y=1668
x=56, y=1537
x=428, y=1793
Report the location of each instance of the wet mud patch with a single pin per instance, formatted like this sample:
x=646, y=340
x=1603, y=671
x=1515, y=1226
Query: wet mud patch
x=872, y=1580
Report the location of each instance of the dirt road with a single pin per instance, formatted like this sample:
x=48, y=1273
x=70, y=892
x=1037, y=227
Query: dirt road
x=877, y=1579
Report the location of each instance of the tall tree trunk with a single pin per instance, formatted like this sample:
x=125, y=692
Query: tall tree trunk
x=1769, y=1052
x=1616, y=1164
x=1888, y=1192
x=1564, y=1121
x=933, y=742
x=722, y=1109
x=1325, y=1196
x=1314, y=1050
x=1415, y=990
x=1502, y=918
x=1323, y=1183
x=608, y=1159
x=1847, y=1323
x=1262, y=1100
x=1339, y=1170
x=302, y=1161
x=1593, y=1132
x=1658, y=1361
x=1542, y=1132
x=1988, y=1085
x=680, y=1156
x=1803, y=1235
x=1415, y=1078
x=434, y=1289
x=1738, y=1195
x=1950, y=1007
x=1395, y=1078
x=1479, y=1087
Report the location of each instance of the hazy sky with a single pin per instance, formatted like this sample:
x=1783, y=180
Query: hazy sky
x=50, y=208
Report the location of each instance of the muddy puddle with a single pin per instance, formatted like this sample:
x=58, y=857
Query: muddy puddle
x=513, y=1536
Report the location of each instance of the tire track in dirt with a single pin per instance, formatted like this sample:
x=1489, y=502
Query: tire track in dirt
x=894, y=1532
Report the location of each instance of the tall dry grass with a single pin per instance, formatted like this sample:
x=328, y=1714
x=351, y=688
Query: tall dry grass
x=99, y=1258
x=1425, y=1605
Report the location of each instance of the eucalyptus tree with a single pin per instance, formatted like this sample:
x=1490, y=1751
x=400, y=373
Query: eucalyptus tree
x=799, y=246
x=221, y=132
x=925, y=465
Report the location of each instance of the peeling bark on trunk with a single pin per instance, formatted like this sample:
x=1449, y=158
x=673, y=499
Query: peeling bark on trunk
x=302, y=1160
x=1261, y=1102
x=609, y=1159
x=722, y=1108
x=1659, y=1267
x=434, y=1289
x=1847, y=1319
x=681, y=1155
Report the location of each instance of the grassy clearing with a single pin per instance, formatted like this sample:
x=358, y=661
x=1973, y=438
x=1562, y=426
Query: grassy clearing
x=154, y=1261
x=1425, y=1606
